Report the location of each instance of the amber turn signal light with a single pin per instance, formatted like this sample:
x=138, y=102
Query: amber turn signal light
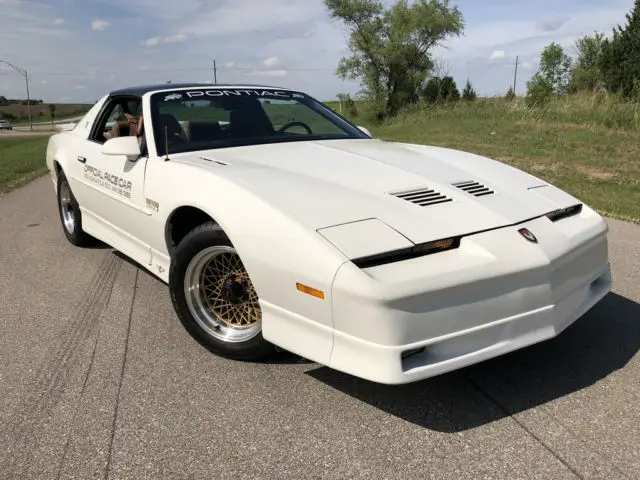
x=310, y=291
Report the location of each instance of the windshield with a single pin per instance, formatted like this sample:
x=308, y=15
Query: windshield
x=202, y=119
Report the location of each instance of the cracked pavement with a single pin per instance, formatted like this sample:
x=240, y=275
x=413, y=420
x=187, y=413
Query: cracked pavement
x=99, y=380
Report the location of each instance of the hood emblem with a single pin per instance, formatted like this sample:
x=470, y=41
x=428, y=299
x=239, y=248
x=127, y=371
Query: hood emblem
x=528, y=235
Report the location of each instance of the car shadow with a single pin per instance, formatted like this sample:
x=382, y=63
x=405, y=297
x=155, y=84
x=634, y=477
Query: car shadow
x=96, y=244
x=597, y=345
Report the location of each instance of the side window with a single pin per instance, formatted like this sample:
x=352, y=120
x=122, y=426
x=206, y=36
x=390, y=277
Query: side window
x=113, y=122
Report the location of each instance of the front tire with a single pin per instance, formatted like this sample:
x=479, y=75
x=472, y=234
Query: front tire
x=70, y=214
x=214, y=297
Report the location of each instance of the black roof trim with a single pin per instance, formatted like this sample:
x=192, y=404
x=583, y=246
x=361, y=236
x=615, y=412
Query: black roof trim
x=141, y=90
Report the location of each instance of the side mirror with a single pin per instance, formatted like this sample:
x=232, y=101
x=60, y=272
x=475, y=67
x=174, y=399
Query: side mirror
x=127, y=146
x=366, y=132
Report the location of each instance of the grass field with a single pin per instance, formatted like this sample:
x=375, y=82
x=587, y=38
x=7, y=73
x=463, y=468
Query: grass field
x=21, y=160
x=589, y=146
x=40, y=112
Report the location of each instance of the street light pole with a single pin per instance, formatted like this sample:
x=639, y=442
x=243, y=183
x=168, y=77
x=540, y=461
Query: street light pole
x=26, y=78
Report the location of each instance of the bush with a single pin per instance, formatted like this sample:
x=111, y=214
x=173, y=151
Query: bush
x=539, y=91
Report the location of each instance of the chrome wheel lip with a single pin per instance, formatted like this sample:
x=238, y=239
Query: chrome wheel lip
x=67, y=209
x=197, y=304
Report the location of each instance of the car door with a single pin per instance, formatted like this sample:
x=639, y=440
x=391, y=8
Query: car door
x=112, y=191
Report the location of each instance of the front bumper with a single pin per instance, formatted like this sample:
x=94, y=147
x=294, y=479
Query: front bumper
x=407, y=321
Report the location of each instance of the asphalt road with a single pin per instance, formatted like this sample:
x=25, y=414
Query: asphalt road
x=99, y=380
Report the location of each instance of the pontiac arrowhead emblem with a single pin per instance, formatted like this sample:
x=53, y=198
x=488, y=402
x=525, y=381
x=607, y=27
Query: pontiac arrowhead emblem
x=528, y=235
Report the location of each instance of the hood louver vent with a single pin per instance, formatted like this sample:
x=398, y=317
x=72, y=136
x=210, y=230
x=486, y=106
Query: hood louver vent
x=422, y=196
x=474, y=188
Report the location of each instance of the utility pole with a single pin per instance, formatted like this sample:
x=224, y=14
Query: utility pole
x=26, y=78
x=215, y=72
x=515, y=77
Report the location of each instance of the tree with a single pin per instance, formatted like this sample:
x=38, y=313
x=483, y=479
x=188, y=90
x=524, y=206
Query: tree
x=469, y=94
x=441, y=89
x=586, y=74
x=449, y=90
x=431, y=92
x=391, y=48
x=620, y=61
x=555, y=68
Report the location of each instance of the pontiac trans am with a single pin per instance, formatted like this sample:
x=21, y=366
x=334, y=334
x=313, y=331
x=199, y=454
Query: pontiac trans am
x=278, y=224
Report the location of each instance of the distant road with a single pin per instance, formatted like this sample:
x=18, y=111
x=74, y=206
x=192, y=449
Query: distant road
x=46, y=126
x=25, y=133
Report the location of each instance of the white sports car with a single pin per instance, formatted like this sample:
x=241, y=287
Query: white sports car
x=277, y=223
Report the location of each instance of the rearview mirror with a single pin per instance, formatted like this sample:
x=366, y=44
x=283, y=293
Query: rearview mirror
x=366, y=132
x=127, y=146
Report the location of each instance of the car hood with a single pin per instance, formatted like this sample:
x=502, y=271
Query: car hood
x=334, y=182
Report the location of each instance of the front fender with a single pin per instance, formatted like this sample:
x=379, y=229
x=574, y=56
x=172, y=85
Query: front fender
x=278, y=250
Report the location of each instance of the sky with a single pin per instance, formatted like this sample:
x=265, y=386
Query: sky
x=78, y=50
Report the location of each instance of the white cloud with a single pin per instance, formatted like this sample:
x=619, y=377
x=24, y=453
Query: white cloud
x=58, y=21
x=152, y=42
x=498, y=54
x=271, y=62
x=100, y=24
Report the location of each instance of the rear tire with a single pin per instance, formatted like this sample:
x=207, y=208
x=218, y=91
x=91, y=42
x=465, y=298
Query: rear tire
x=70, y=214
x=214, y=298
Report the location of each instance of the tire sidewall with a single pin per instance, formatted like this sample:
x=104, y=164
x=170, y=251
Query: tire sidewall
x=76, y=238
x=199, y=239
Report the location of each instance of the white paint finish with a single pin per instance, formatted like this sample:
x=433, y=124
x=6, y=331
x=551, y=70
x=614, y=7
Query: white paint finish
x=351, y=180
x=364, y=238
x=122, y=146
x=495, y=293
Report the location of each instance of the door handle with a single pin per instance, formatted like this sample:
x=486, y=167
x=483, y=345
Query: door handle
x=82, y=160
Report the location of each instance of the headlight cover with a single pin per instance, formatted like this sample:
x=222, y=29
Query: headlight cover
x=371, y=242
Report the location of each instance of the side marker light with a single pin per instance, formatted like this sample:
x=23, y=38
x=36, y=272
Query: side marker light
x=310, y=291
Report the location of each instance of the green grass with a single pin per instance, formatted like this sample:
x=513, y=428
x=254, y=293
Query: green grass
x=21, y=160
x=587, y=145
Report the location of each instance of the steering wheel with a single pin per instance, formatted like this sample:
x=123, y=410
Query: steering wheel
x=287, y=126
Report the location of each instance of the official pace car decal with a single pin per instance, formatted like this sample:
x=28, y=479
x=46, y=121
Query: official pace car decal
x=109, y=181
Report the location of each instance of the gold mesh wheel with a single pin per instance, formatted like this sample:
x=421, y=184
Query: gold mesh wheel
x=220, y=295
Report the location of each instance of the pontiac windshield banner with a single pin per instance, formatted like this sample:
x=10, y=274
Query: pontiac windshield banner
x=113, y=183
x=230, y=92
